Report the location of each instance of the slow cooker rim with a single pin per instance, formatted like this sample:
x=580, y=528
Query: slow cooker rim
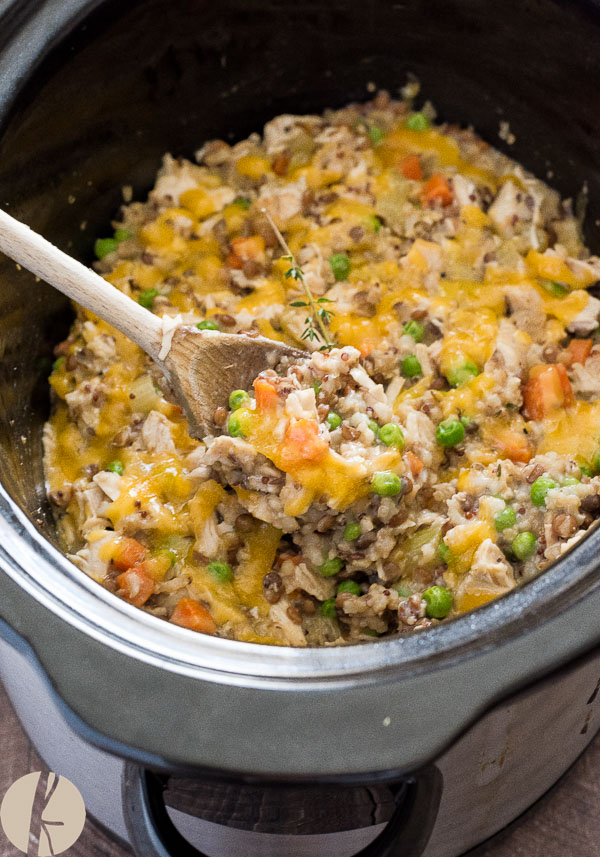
x=48, y=576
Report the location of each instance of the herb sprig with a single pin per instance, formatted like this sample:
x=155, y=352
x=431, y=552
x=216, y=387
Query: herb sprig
x=319, y=315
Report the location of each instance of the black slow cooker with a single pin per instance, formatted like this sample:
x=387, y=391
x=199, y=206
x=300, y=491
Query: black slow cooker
x=418, y=746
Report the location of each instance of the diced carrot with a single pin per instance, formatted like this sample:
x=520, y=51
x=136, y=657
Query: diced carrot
x=578, y=351
x=136, y=585
x=245, y=250
x=512, y=444
x=302, y=443
x=130, y=552
x=565, y=384
x=190, y=614
x=547, y=390
x=265, y=394
x=411, y=168
x=436, y=189
x=415, y=464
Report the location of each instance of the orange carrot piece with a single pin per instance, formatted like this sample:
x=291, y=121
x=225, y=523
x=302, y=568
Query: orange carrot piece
x=547, y=390
x=129, y=553
x=303, y=444
x=190, y=614
x=578, y=351
x=565, y=384
x=436, y=189
x=136, y=585
x=512, y=444
x=265, y=395
x=245, y=250
x=415, y=464
x=411, y=168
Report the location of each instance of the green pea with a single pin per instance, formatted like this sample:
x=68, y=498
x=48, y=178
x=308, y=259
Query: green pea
x=207, y=324
x=540, y=488
x=330, y=567
x=374, y=223
x=570, y=480
x=418, y=122
x=350, y=586
x=242, y=203
x=328, y=609
x=585, y=470
x=411, y=366
x=104, y=246
x=340, y=265
x=386, y=483
x=460, y=375
x=333, y=420
x=316, y=387
x=238, y=399
x=392, y=435
x=234, y=426
x=414, y=329
x=505, y=518
x=58, y=363
x=374, y=426
x=122, y=234
x=450, y=432
x=376, y=134
x=352, y=532
x=524, y=545
x=369, y=632
x=557, y=290
x=439, y=602
x=116, y=467
x=146, y=298
x=221, y=571
x=444, y=552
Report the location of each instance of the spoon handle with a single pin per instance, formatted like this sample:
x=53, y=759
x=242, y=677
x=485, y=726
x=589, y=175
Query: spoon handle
x=79, y=283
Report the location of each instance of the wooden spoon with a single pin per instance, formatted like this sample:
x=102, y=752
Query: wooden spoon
x=202, y=367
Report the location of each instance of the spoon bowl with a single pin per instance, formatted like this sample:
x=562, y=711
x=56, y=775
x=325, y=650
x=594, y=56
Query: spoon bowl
x=203, y=368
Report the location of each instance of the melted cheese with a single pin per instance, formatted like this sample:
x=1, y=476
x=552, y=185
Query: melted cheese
x=574, y=432
x=341, y=480
x=258, y=554
x=472, y=337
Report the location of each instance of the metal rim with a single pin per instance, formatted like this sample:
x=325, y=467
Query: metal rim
x=48, y=577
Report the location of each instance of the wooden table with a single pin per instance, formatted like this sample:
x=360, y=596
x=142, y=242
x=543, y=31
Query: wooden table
x=565, y=823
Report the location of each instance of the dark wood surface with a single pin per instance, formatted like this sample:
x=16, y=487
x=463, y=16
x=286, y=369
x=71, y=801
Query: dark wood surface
x=565, y=823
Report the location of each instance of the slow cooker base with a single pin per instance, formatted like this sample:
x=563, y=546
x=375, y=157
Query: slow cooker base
x=491, y=775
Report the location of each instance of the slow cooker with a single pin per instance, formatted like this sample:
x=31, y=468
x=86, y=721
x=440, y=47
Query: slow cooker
x=183, y=744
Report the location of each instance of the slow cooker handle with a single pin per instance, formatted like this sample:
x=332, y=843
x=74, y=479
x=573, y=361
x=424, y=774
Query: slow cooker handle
x=153, y=834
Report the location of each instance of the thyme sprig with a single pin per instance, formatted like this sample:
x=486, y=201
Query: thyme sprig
x=319, y=315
